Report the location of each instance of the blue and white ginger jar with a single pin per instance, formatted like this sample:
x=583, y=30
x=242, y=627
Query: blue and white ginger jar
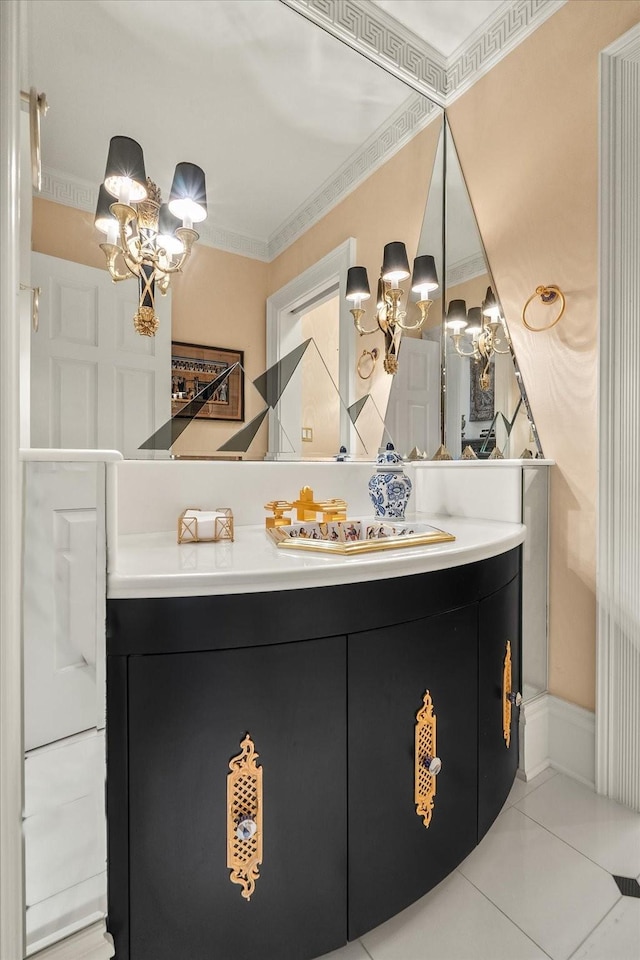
x=389, y=487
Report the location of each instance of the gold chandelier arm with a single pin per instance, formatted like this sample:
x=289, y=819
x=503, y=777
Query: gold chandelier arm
x=423, y=306
x=188, y=238
x=456, y=343
x=410, y=326
x=508, y=350
x=111, y=251
x=357, y=313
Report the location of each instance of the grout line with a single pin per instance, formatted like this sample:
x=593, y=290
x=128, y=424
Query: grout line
x=566, y=843
x=506, y=915
x=365, y=949
x=591, y=932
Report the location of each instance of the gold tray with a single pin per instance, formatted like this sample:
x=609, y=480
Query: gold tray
x=417, y=534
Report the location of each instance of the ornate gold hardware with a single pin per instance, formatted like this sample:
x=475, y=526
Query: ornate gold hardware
x=373, y=355
x=496, y=454
x=219, y=527
x=244, y=818
x=425, y=769
x=548, y=295
x=307, y=509
x=469, y=453
x=506, y=690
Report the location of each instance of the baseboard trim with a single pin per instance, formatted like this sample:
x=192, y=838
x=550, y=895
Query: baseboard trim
x=556, y=733
x=92, y=943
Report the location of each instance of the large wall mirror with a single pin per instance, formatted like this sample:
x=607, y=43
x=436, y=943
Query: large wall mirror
x=310, y=152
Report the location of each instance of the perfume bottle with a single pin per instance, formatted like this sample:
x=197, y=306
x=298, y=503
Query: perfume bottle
x=389, y=487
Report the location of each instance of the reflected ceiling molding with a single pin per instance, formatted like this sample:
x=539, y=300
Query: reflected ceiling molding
x=403, y=125
x=83, y=195
x=407, y=121
x=384, y=40
x=466, y=269
x=381, y=38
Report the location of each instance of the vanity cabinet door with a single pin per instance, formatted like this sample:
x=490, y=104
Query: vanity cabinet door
x=393, y=857
x=499, y=638
x=188, y=714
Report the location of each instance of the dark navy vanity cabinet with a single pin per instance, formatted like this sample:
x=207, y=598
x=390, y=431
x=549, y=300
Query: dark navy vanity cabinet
x=328, y=682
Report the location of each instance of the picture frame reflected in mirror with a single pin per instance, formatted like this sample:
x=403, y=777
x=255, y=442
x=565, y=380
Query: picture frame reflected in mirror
x=193, y=366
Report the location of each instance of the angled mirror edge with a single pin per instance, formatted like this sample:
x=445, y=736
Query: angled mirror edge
x=450, y=152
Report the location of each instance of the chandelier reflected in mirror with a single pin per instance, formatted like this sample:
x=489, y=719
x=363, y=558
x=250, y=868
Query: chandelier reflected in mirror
x=486, y=328
x=390, y=316
x=153, y=239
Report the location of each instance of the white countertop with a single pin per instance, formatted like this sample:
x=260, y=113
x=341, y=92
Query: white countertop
x=154, y=565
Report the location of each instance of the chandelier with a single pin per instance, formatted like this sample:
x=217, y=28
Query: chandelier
x=153, y=239
x=486, y=328
x=390, y=317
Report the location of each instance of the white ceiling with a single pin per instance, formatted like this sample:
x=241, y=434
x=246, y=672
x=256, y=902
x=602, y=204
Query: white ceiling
x=266, y=102
x=445, y=24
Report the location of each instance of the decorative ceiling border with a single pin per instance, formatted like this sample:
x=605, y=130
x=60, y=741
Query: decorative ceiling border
x=381, y=38
x=493, y=40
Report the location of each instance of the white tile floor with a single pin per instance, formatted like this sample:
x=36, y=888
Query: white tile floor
x=538, y=886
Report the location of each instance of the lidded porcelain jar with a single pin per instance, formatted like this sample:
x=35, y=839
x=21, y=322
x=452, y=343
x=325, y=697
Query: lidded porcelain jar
x=390, y=487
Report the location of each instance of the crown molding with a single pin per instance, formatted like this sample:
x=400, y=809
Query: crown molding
x=410, y=117
x=381, y=38
x=494, y=39
x=372, y=32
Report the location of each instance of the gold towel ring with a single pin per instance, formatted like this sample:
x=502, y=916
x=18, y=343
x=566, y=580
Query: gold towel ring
x=548, y=295
x=374, y=354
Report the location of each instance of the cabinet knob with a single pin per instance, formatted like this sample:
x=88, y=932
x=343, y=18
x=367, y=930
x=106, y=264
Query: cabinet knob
x=515, y=699
x=433, y=765
x=246, y=828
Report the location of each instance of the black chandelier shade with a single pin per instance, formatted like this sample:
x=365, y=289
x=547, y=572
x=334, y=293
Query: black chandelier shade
x=474, y=316
x=188, y=197
x=125, y=161
x=490, y=307
x=357, y=284
x=457, y=312
x=395, y=263
x=425, y=274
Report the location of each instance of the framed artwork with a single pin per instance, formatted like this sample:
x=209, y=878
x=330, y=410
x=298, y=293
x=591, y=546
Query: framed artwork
x=193, y=366
x=480, y=401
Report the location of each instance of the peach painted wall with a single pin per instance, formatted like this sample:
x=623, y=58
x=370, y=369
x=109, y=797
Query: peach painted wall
x=527, y=138
x=218, y=301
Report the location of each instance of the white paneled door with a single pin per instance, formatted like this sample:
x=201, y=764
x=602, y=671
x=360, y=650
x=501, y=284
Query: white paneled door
x=95, y=382
x=414, y=402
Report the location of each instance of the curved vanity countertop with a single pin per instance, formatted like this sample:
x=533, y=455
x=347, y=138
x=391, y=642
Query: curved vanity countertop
x=155, y=565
